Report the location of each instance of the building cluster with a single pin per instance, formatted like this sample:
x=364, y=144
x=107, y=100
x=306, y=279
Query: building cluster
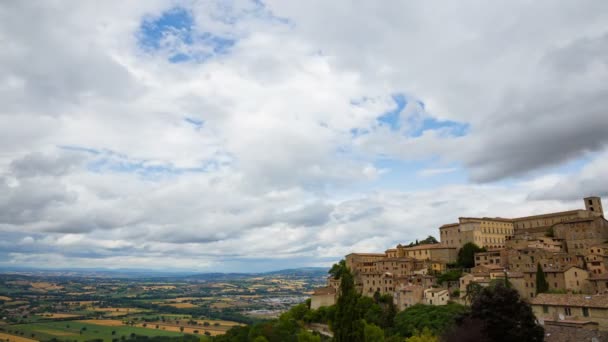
x=571, y=248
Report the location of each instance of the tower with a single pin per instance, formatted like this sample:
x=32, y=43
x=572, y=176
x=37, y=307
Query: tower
x=594, y=205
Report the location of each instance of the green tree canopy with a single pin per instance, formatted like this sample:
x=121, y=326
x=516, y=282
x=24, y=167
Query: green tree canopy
x=348, y=324
x=498, y=314
x=451, y=275
x=466, y=254
x=541, y=281
x=425, y=336
x=434, y=317
x=305, y=336
x=429, y=240
x=337, y=269
x=373, y=333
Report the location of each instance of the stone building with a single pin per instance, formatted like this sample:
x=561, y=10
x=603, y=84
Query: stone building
x=526, y=259
x=436, y=252
x=540, y=225
x=363, y=262
x=408, y=295
x=550, y=244
x=436, y=296
x=572, y=279
x=324, y=296
x=495, y=257
x=571, y=307
x=581, y=234
x=599, y=283
x=484, y=232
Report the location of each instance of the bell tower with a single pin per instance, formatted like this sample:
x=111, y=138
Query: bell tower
x=594, y=205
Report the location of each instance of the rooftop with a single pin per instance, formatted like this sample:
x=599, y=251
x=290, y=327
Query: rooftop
x=429, y=246
x=578, y=300
x=324, y=291
x=368, y=254
x=559, y=213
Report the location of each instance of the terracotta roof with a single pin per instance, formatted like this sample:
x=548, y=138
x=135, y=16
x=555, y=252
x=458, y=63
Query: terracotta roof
x=498, y=219
x=398, y=259
x=552, y=321
x=324, y=291
x=492, y=267
x=515, y=274
x=438, y=290
x=410, y=288
x=579, y=220
x=598, y=277
x=559, y=213
x=429, y=246
x=368, y=254
x=554, y=270
x=578, y=300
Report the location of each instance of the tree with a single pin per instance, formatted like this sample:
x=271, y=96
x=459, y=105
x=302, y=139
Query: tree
x=499, y=314
x=425, y=336
x=181, y=329
x=260, y=339
x=305, y=336
x=541, y=281
x=429, y=240
x=337, y=269
x=348, y=325
x=466, y=254
x=436, y=318
x=451, y=275
x=373, y=333
x=473, y=289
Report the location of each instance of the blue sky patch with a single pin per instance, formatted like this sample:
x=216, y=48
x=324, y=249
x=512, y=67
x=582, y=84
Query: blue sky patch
x=174, y=32
x=392, y=118
x=197, y=123
x=451, y=128
x=175, y=21
x=78, y=149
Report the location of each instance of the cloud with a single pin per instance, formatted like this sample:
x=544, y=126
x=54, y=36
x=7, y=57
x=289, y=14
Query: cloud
x=215, y=135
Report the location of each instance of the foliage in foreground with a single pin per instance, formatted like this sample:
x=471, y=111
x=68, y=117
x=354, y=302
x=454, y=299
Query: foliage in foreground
x=436, y=319
x=497, y=314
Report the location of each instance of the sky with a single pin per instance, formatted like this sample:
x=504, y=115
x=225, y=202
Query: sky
x=243, y=136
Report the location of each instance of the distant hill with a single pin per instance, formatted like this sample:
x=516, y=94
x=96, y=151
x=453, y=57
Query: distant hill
x=305, y=272
x=310, y=272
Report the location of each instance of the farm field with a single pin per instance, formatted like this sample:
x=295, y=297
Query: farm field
x=79, y=331
x=80, y=308
x=13, y=338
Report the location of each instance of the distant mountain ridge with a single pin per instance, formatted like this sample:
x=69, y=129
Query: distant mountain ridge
x=139, y=273
x=294, y=272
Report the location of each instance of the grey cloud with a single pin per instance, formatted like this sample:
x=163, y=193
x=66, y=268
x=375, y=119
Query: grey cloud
x=52, y=70
x=315, y=214
x=41, y=164
x=564, y=117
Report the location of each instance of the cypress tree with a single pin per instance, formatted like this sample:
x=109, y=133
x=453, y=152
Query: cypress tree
x=348, y=325
x=541, y=281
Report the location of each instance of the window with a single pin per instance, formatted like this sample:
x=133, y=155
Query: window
x=567, y=312
x=586, y=312
x=545, y=309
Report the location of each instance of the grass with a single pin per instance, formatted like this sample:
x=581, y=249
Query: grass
x=12, y=338
x=70, y=330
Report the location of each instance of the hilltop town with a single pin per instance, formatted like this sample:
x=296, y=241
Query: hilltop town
x=556, y=261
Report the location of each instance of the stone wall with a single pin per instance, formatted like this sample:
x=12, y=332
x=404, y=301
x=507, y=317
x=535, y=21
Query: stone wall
x=557, y=332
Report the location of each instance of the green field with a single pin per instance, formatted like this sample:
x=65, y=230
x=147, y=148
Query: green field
x=71, y=331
